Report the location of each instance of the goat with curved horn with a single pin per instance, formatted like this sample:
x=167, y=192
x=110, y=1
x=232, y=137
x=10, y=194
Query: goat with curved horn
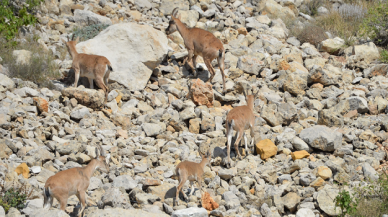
x=199, y=42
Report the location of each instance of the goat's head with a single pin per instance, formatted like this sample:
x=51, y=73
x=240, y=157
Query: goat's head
x=207, y=157
x=70, y=44
x=250, y=98
x=172, y=24
x=102, y=160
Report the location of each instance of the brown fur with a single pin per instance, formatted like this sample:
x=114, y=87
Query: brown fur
x=191, y=171
x=240, y=119
x=90, y=66
x=74, y=181
x=199, y=42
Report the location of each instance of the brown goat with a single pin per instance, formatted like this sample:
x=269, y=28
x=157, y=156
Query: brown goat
x=90, y=66
x=240, y=119
x=191, y=171
x=199, y=42
x=74, y=181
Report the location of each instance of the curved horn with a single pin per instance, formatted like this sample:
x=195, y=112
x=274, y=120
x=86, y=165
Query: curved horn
x=68, y=39
x=97, y=154
x=174, y=12
x=73, y=37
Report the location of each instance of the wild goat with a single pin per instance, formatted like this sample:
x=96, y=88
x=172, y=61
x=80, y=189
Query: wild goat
x=199, y=42
x=74, y=181
x=240, y=119
x=90, y=66
x=191, y=171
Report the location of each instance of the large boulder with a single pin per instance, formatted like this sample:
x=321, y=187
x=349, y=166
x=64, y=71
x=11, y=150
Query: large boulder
x=322, y=137
x=332, y=45
x=368, y=51
x=190, y=212
x=134, y=51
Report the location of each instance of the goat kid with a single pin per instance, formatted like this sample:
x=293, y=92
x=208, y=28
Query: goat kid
x=199, y=42
x=240, y=119
x=90, y=66
x=74, y=181
x=191, y=171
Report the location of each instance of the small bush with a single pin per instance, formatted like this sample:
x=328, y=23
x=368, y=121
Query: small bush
x=14, y=197
x=351, y=12
x=384, y=56
x=375, y=24
x=89, y=32
x=312, y=34
x=12, y=17
x=40, y=69
x=369, y=200
x=313, y=5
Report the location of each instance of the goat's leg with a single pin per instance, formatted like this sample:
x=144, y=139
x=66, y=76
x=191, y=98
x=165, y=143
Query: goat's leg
x=195, y=65
x=237, y=142
x=100, y=84
x=246, y=144
x=91, y=83
x=82, y=199
x=76, y=76
x=63, y=202
x=229, y=134
x=192, y=187
x=221, y=64
x=252, y=134
x=106, y=77
x=190, y=62
x=210, y=69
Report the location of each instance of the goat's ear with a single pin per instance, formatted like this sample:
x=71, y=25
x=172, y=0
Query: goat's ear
x=63, y=41
x=179, y=17
x=76, y=40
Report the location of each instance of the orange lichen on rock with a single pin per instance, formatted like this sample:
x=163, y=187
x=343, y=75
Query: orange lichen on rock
x=202, y=93
x=208, y=203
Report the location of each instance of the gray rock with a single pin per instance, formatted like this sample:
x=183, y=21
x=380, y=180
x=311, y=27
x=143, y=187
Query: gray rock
x=187, y=113
x=79, y=113
x=231, y=200
x=305, y=212
x=143, y=4
x=124, y=181
x=48, y=213
x=121, y=212
x=152, y=129
x=166, y=6
x=250, y=64
x=190, y=212
x=359, y=104
x=369, y=172
x=322, y=137
x=143, y=198
x=113, y=197
x=293, y=41
x=2, y=212
x=6, y=82
x=32, y=206
x=85, y=17
x=299, y=144
x=325, y=199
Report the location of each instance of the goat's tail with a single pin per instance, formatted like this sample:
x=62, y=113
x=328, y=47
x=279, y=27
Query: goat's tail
x=221, y=52
x=48, y=198
x=110, y=68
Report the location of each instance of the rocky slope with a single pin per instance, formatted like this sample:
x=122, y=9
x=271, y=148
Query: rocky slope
x=322, y=119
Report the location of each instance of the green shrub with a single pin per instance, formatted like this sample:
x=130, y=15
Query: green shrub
x=40, y=69
x=384, y=56
x=14, y=197
x=312, y=6
x=12, y=18
x=89, y=32
x=369, y=200
x=375, y=24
